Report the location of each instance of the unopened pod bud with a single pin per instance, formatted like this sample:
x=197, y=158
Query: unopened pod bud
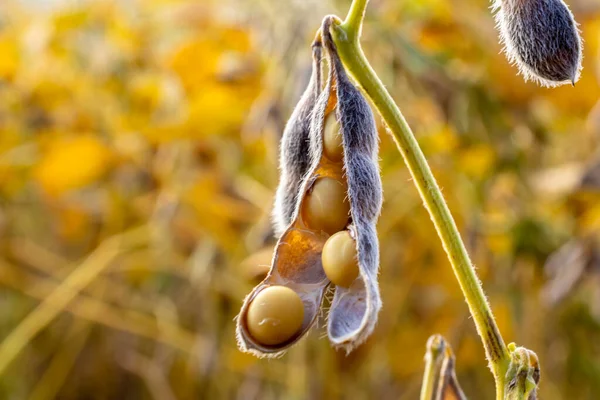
x=339, y=198
x=294, y=157
x=541, y=38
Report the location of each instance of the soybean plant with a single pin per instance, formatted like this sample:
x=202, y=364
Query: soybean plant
x=329, y=199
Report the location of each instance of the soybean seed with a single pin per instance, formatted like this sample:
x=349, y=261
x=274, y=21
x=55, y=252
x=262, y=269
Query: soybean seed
x=339, y=259
x=275, y=315
x=326, y=207
x=332, y=140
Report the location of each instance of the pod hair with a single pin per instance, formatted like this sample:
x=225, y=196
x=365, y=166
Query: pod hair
x=294, y=157
x=541, y=38
x=354, y=310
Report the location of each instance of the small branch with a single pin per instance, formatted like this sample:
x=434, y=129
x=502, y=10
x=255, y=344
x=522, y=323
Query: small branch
x=353, y=23
x=432, y=366
x=439, y=379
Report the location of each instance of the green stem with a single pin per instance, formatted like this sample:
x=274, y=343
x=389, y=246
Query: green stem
x=346, y=37
x=353, y=23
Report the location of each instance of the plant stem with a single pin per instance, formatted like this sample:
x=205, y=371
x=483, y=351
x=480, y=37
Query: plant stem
x=346, y=37
x=356, y=14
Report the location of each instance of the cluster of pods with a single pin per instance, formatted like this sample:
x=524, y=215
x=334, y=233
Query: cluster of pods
x=326, y=208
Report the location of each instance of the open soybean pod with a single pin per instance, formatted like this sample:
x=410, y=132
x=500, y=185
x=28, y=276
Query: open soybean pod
x=294, y=157
x=337, y=195
x=296, y=262
x=354, y=309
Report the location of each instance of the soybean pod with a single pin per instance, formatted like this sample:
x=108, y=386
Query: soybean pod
x=332, y=225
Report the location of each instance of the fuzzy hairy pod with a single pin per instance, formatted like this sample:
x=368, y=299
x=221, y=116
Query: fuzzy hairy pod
x=297, y=262
x=294, y=157
x=354, y=310
x=541, y=38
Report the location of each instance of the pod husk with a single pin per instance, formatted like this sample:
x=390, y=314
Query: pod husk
x=353, y=313
x=294, y=157
x=297, y=257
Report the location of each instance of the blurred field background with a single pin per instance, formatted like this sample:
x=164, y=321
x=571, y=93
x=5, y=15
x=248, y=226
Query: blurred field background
x=138, y=153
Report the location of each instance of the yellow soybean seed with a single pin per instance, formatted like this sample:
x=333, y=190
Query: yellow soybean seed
x=332, y=140
x=326, y=207
x=339, y=258
x=275, y=315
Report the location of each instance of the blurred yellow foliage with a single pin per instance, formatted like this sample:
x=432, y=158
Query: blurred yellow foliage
x=9, y=57
x=477, y=161
x=71, y=163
